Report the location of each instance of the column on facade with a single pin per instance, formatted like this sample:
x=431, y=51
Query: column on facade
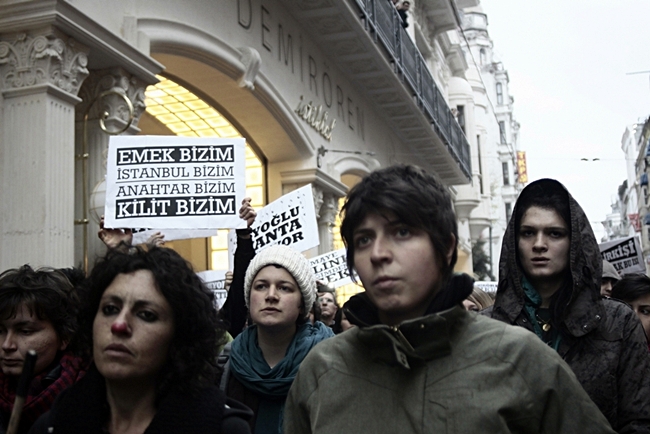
x=115, y=97
x=467, y=196
x=40, y=75
x=326, y=191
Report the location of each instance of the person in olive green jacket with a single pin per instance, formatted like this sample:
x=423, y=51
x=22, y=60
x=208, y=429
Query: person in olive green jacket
x=418, y=362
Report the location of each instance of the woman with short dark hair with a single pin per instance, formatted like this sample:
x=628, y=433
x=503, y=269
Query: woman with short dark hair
x=38, y=311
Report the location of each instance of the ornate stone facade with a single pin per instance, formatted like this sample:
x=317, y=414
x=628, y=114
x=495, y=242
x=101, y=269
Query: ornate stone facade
x=27, y=60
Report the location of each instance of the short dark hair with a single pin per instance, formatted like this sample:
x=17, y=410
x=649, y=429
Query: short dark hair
x=631, y=287
x=191, y=362
x=417, y=198
x=46, y=292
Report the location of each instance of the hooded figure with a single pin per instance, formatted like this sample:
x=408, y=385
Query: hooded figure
x=549, y=283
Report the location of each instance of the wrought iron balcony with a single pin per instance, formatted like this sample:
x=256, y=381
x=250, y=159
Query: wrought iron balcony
x=368, y=42
x=383, y=21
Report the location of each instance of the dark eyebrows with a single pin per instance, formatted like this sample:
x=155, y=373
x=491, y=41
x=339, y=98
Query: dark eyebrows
x=138, y=304
x=24, y=323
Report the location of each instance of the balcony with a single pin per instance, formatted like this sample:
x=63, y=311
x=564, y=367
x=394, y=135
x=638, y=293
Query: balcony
x=377, y=55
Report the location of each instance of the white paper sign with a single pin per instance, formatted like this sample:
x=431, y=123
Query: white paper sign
x=216, y=281
x=170, y=182
x=141, y=236
x=289, y=220
x=331, y=268
x=625, y=254
x=487, y=286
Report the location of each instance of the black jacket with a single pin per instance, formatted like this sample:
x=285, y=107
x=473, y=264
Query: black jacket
x=83, y=409
x=602, y=340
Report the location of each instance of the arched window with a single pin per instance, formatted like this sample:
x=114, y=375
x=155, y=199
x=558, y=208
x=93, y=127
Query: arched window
x=184, y=113
x=499, y=94
x=482, y=56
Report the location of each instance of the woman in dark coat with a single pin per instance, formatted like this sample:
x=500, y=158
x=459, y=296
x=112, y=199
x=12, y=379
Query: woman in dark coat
x=154, y=333
x=549, y=283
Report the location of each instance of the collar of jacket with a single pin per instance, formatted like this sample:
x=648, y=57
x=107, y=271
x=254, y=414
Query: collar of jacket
x=421, y=339
x=585, y=311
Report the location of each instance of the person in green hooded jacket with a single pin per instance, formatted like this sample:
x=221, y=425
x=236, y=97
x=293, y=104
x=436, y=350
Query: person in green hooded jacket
x=418, y=362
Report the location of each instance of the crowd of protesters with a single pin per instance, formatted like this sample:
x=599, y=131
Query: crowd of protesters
x=138, y=346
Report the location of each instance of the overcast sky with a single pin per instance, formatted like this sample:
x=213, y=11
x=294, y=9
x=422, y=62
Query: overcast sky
x=568, y=63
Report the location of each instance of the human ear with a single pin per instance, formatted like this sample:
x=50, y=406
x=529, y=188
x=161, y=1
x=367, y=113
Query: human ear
x=451, y=249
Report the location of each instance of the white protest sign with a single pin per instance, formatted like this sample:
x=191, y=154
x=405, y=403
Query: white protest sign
x=331, y=268
x=170, y=182
x=215, y=280
x=141, y=236
x=625, y=254
x=289, y=220
x=487, y=286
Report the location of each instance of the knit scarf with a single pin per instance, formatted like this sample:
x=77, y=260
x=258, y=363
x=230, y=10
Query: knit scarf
x=43, y=389
x=531, y=305
x=248, y=365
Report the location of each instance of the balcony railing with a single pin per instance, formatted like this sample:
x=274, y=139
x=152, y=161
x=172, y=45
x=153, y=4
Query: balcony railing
x=382, y=20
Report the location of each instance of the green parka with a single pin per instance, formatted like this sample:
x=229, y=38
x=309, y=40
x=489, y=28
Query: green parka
x=447, y=372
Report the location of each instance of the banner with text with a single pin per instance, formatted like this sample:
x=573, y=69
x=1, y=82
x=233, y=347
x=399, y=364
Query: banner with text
x=289, y=220
x=215, y=280
x=169, y=182
x=331, y=268
x=487, y=286
x=625, y=254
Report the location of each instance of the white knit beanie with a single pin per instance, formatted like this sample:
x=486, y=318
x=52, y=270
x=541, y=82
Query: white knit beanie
x=292, y=261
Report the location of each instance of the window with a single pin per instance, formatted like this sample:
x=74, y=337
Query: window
x=184, y=113
x=499, y=94
x=508, y=211
x=483, y=56
x=506, y=173
x=460, y=117
x=502, y=132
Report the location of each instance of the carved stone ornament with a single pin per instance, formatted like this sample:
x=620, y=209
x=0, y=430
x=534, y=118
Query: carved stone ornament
x=317, y=192
x=29, y=61
x=252, y=61
x=117, y=80
x=328, y=210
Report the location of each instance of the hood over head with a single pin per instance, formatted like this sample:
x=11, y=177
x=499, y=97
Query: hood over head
x=585, y=263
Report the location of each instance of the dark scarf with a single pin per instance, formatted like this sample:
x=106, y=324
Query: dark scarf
x=360, y=311
x=83, y=409
x=43, y=389
x=532, y=304
x=248, y=365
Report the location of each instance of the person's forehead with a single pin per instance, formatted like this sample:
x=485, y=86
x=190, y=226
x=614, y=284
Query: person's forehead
x=378, y=217
x=538, y=216
x=20, y=315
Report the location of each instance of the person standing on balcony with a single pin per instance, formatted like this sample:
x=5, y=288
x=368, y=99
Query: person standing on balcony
x=402, y=9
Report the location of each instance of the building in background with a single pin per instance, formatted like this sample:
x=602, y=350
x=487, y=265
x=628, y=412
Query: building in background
x=324, y=91
x=631, y=204
x=497, y=180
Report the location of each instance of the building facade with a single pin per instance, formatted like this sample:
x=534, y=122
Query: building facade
x=323, y=91
x=631, y=203
x=496, y=179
